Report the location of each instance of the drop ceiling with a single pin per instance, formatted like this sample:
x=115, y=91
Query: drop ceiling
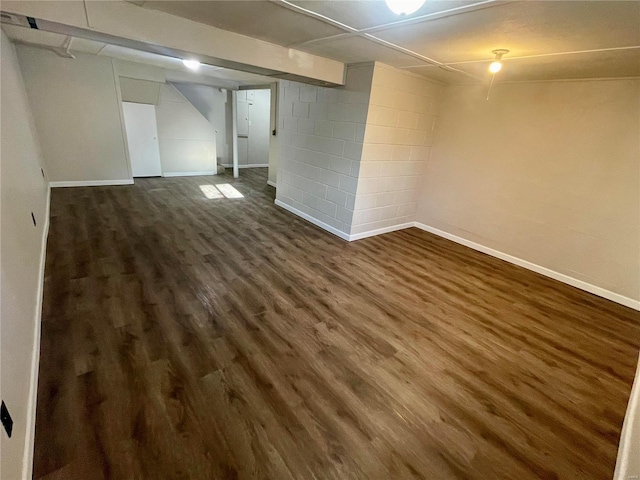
x=548, y=40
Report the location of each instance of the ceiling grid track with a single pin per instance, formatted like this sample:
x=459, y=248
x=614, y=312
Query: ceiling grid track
x=446, y=41
x=363, y=33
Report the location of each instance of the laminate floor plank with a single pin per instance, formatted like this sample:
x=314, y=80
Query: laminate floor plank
x=186, y=337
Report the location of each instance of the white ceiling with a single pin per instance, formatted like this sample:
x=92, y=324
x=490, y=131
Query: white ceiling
x=557, y=37
x=174, y=68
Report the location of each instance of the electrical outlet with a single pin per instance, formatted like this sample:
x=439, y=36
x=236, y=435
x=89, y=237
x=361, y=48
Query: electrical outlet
x=7, y=422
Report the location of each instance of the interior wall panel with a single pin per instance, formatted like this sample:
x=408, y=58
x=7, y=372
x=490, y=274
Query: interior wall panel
x=548, y=172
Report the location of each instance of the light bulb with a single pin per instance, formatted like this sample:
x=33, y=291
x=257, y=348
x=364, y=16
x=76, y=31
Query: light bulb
x=495, y=67
x=404, y=7
x=192, y=64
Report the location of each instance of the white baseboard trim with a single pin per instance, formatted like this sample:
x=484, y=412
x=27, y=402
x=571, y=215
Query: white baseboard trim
x=90, y=183
x=380, y=231
x=251, y=165
x=561, y=277
x=574, y=282
x=310, y=219
x=271, y=184
x=627, y=465
x=189, y=174
x=29, y=439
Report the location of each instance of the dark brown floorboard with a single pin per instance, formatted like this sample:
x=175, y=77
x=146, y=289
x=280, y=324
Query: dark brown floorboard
x=194, y=338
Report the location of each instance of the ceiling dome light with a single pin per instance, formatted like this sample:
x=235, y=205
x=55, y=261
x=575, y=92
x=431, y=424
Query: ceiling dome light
x=192, y=64
x=496, y=65
x=404, y=7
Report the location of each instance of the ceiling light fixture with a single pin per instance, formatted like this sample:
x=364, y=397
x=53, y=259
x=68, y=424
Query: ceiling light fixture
x=496, y=65
x=192, y=64
x=404, y=7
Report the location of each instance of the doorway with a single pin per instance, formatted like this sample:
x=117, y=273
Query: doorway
x=254, y=127
x=142, y=138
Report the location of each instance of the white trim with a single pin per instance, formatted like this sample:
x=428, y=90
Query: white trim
x=561, y=277
x=234, y=132
x=628, y=435
x=272, y=184
x=189, y=174
x=315, y=221
x=125, y=139
x=574, y=282
x=29, y=438
x=251, y=165
x=380, y=231
x=90, y=183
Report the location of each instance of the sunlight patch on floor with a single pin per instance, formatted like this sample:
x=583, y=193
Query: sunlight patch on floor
x=224, y=190
x=229, y=191
x=210, y=191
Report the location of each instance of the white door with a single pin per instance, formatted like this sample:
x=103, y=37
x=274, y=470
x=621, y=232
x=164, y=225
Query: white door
x=142, y=137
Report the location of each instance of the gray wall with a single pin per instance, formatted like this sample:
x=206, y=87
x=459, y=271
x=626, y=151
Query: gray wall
x=214, y=104
x=397, y=142
x=547, y=172
x=23, y=191
x=254, y=126
x=77, y=111
x=186, y=139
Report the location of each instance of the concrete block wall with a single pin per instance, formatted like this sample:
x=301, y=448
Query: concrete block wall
x=403, y=112
x=321, y=134
x=545, y=172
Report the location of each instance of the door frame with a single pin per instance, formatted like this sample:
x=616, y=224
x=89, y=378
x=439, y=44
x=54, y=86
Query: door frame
x=150, y=107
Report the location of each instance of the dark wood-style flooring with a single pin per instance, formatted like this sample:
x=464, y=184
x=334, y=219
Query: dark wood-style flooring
x=194, y=338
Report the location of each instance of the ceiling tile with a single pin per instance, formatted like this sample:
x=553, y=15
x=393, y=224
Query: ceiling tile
x=369, y=13
x=525, y=28
x=259, y=19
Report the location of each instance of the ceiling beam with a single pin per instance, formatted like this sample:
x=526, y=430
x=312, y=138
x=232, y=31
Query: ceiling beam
x=128, y=25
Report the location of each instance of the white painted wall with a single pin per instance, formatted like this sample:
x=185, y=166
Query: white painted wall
x=321, y=132
x=212, y=103
x=274, y=145
x=187, y=141
x=77, y=112
x=546, y=172
x=140, y=91
x=139, y=71
x=254, y=127
x=259, y=126
x=628, y=461
x=23, y=190
x=242, y=127
x=139, y=83
x=403, y=110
